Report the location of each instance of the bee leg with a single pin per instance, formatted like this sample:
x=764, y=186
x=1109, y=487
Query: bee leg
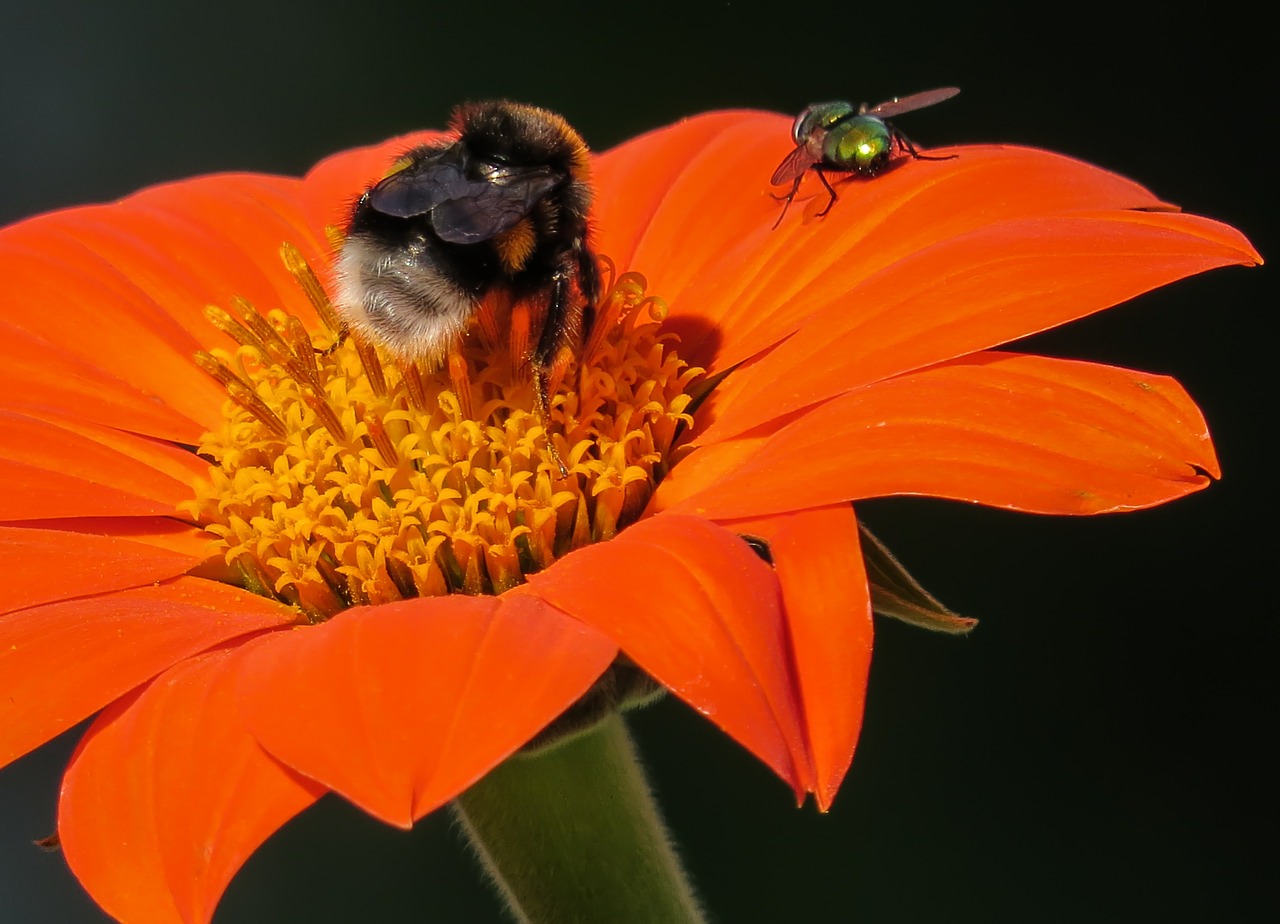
x=589, y=286
x=338, y=340
x=822, y=175
x=555, y=330
x=786, y=200
x=541, y=383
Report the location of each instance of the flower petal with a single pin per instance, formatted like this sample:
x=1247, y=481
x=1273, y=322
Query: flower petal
x=828, y=610
x=61, y=662
x=965, y=294
x=401, y=707
x=58, y=565
x=161, y=532
x=168, y=795
x=806, y=266
x=117, y=281
x=102, y=318
x=56, y=468
x=704, y=617
x=1025, y=432
x=235, y=223
x=37, y=377
x=737, y=287
x=650, y=184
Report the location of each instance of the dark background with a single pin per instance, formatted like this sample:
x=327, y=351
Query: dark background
x=1099, y=748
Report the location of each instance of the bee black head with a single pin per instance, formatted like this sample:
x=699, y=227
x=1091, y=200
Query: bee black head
x=521, y=135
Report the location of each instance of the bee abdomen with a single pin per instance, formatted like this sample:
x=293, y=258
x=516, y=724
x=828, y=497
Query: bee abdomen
x=406, y=299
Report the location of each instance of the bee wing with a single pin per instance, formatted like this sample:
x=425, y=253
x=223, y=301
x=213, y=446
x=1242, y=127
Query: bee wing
x=492, y=206
x=910, y=103
x=793, y=166
x=415, y=192
x=463, y=210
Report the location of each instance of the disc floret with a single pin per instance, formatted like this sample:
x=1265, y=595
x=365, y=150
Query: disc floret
x=344, y=476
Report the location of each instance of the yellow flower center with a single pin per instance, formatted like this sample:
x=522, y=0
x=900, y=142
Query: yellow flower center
x=342, y=476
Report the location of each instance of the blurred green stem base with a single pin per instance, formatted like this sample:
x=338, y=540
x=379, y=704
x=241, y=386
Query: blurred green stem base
x=572, y=835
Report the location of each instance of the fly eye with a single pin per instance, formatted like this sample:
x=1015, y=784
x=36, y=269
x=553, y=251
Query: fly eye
x=800, y=127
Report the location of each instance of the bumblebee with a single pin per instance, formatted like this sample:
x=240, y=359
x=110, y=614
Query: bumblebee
x=836, y=137
x=501, y=209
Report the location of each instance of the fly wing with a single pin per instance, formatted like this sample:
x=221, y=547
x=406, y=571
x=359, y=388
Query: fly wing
x=895, y=107
x=793, y=166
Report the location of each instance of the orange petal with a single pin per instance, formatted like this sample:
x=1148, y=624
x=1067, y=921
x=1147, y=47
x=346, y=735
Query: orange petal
x=184, y=245
x=88, y=291
x=401, y=707
x=236, y=223
x=331, y=187
x=647, y=189
x=57, y=565
x=168, y=795
x=828, y=609
x=807, y=264
x=736, y=287
x=102, y=319
x=161, y=532
x=105, y=284
x=702, y=615
x=176, y=461
x=1024, y=432
x=37, y=376
x=55, y=469
x=965, y=294
x=64, y=661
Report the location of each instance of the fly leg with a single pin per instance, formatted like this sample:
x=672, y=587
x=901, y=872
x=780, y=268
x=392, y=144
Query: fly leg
x=786, y=200
x=822, y=175
x=905, y=144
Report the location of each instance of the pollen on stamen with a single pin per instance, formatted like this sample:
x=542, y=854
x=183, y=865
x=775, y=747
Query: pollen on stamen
x=344, y=476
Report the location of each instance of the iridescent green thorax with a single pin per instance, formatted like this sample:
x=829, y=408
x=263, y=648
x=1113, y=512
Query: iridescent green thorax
x=819, y=117
x=861, y=143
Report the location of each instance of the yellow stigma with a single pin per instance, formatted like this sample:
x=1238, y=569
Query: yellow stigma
x=342, y=476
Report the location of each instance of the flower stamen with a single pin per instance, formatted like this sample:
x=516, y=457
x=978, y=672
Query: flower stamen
x=346, y=476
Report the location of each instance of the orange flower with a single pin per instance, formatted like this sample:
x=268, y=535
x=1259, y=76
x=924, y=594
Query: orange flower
x=281, y=624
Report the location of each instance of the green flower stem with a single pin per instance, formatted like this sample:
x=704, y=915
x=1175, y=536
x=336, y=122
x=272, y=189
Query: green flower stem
x=572, y=834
